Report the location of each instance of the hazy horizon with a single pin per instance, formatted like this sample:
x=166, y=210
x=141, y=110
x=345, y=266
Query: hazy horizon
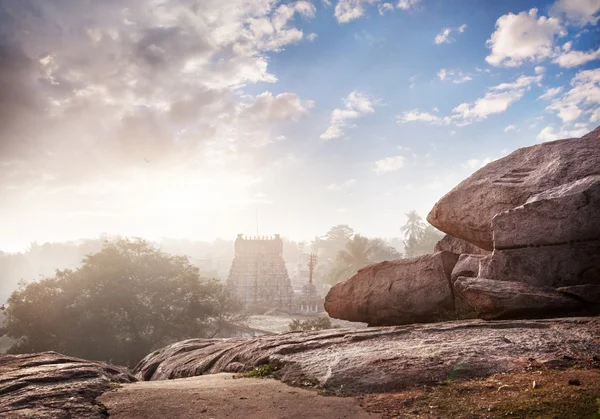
x=183, y=119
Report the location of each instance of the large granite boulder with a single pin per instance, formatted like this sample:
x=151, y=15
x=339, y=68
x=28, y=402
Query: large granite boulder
x=466, y=212
x=389, y=358
x=460, y=247
x=508, y=300
x=53, y=386
x=396, y=292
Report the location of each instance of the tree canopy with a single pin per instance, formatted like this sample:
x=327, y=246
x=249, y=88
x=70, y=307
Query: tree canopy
x=123, y=302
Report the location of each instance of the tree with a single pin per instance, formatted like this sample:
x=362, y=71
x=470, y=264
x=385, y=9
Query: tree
x=414, y=226
x=360, y=252
x=123, y=302
x=320, y=323
x=424, y=244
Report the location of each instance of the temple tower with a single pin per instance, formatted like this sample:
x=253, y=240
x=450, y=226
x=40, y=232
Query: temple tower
x=258, y=276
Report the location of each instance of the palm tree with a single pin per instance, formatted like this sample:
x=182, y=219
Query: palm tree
x=414, y=227
x=360, y=252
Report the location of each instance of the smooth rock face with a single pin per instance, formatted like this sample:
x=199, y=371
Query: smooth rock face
x=566, y=214
x=396, y=292
x=53, y=386
x=387, y=359
x=506, y=300
x=588, y=293
x=554, y=266
x=466, y=212
x=458, y=246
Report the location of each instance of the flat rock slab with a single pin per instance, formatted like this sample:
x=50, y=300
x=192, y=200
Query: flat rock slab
x=223, y=396
x=387, y=358
x=53, y=386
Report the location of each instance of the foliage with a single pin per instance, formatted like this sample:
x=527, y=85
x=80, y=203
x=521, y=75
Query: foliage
x=358, y=253
x=420, y=238
x=265, y=370
x=123, y=302
x=320, y=323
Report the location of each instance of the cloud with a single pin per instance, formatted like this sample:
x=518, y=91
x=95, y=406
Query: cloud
x=444, y=36
x=571, y=59
x=549, y=133
x=582, y=99
x=356, y=104
x=389, y=164
x=551, y=92
x=510, y=128
x=497, y=100
x=344, y=185
x=348, y=10
x=454, y=76
x=312, y=37
x=523, y=37
x=582, y=12
x=103, y=87
x=408, y=4
x=385, y=7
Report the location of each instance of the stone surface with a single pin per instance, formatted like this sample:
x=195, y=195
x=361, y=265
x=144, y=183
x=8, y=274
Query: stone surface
x=566, y=214
x=396, y=292
x=458, y=246
x=588, y=293
x=52, y=386
x=387, y=359
x=223, y=396
x=467, y=266
x=554, y=266
x=505, y=300
x=466, y=211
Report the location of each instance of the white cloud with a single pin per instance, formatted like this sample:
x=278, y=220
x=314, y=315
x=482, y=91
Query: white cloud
x=551, y=92
x=389, y=164
x=385, y=7
x=344, y=185
x=356, y=105
x=578, y=11
x=523, y=37
x=454, y=76
x=539, y=69
x=348, y=10
x=497, y=100
x=408, y=4
x=582, y=99
x=571, y=58
x=312, y=37
x=444, y=36
x=510, y=128
x=549, y=134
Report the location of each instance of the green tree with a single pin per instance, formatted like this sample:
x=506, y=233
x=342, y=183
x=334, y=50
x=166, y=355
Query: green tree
x=358, y=253
x=123, y=302
x=424, y=244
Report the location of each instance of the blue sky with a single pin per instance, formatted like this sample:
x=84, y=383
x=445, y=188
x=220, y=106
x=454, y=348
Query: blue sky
x=176, y=118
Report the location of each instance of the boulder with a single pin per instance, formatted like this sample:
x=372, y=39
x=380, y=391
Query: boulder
x=566, y=214
x=467, y=266
x=396, y=292
x=466, y=212
x=588, y=293
x=505, y=300
x=350, y=361
x=53, y=386
x=458, y=246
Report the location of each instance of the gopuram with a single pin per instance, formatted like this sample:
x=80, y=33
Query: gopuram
x=258, y=275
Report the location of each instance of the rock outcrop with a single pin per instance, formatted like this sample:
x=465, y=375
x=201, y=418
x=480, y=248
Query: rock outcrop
x=396, y=292
x=466, y=212
x=458, y=246
x=387, y=359
x=52, y=386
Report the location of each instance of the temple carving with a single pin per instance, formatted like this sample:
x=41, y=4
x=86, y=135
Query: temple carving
x=258, y=275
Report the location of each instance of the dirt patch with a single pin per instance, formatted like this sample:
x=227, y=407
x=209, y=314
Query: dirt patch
x=568, y=394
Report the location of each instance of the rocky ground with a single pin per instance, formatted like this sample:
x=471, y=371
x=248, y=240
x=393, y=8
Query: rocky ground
x=52, y=386
x=350, y=362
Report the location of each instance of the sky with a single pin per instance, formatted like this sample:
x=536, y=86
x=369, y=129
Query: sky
x=202, y=119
